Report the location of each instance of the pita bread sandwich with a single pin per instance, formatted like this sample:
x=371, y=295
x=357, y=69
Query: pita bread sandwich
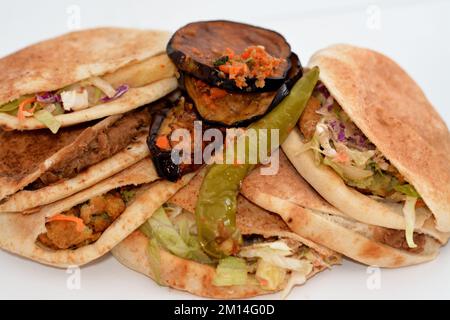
x=372, y=145
x=272, y=258
x=86, y=225
x=83, y=76
x=311, y=216
x=94, y=81
x=38, y=167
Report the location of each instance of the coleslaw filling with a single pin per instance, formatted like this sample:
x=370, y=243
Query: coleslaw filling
x=338, y=143
x=269, y=263
x=45, y=106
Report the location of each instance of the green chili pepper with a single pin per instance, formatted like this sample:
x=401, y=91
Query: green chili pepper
x=216, y=206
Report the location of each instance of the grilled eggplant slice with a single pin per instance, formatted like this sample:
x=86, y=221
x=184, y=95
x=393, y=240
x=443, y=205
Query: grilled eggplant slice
x=232, y=109
x=168, y=116
x=200, y=49
x=220, y=107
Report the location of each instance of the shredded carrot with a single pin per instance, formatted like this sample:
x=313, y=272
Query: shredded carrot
x=225, y=68
x=62, y=217
x=162, y=142
x=229, y=53
x=22, y=105
x=263, y=282
x=420, y=203
x=234, y=69
x=342, y=157
x=254, y=62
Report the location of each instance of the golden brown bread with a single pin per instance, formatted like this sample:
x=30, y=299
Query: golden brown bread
x=393, y=112
x=179, y=273
x=18, y=232
x=58, y=62
x=310, y=216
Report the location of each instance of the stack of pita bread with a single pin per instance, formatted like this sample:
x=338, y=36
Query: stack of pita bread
x=75, y=116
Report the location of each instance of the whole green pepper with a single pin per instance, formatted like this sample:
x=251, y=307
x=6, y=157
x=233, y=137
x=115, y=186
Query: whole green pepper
x=216, y=206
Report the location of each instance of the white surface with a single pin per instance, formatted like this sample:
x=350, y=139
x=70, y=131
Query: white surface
x=414, y=33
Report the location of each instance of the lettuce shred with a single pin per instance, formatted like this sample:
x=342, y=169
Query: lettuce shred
x=231, y=271
x=153, y=251
x=407, y=189
x=269, y=276
x=160, y=227
x=410, y=220
x=48, y=120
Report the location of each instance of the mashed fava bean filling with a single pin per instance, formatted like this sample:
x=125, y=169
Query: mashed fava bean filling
x=85, y=223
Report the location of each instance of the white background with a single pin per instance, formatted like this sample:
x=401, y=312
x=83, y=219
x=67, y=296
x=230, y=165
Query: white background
x=414, y=33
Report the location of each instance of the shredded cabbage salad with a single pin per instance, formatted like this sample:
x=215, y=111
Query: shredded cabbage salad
x=269, y=264
x=275, y=260
x=231, y=271
x=45, y=106
x=338, y=143
x=168, y=235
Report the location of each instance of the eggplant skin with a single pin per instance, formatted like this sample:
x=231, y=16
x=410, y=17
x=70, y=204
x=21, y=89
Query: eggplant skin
x=165, y=167
x=296, y=71
x=194, y=48
x=162, y=158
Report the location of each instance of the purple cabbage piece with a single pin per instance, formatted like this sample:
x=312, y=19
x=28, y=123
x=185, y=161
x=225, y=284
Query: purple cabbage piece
x=339, y=130
x=120, y=91
x=322, y=89
x=48, y=97
x=362, y=141
x=341, y=135
x=333, y=124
